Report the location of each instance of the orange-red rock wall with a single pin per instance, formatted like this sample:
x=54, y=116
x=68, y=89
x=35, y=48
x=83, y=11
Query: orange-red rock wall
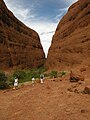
x=70, y=46
x=20, y=46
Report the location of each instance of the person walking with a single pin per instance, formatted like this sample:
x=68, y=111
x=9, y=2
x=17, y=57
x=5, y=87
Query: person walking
x=42, y=78
x=33, y=81
x=15, y=83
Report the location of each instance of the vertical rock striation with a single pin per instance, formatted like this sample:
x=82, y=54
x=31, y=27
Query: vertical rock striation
x=20, y=46
x=70, y=46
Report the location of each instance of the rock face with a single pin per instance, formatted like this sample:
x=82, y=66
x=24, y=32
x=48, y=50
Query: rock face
x=19, y=45
x=70, y=46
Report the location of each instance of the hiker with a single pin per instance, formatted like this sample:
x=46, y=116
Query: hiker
x=42, y=78
x=33, y=81
x=15, y=83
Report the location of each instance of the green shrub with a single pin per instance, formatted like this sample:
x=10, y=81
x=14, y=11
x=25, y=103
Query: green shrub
x=3, y=81
x=34, y=73
x=63, y=73
x=53, y=74
x=26, y=75
x=20, y=74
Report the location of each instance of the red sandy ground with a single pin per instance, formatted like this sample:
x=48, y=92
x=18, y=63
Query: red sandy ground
x=54, y=100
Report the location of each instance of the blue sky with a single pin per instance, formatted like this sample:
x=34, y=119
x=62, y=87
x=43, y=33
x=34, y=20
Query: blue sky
x=41, y=15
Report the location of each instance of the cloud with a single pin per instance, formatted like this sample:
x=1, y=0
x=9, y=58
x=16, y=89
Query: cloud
x=24, y=14
x=21, y=12
x=61, y=13
x=63, y=9
x=71, y=1
x=47, y=33
x=46, y=30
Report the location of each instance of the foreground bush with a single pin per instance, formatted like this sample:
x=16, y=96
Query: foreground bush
x=3, y=81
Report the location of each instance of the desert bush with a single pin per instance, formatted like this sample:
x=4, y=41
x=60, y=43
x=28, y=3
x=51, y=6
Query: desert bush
x=3, y=81
x=26, y=75
x=62, y=73
x=53, y=74
x=34, y=73
x=20, y=74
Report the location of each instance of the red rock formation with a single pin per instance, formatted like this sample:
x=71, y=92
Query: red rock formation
x=87, y=89
x=75, y=77
x=70, y=46
x=19, y=45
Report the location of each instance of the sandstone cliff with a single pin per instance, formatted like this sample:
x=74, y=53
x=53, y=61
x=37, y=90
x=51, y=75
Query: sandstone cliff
x=19, y=45
x=70, y=46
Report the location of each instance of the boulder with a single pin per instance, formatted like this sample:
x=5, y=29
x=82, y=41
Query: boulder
x=75, y=78
x=87, y=89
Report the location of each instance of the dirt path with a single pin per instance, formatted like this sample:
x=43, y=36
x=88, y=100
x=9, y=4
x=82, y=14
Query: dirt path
x=54, y=100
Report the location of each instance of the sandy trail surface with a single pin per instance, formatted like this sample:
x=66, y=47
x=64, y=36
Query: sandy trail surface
x=56, y=99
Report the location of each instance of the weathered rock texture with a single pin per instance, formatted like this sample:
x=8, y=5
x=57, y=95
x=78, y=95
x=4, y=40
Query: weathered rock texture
x=70, y=46
x=19, y=45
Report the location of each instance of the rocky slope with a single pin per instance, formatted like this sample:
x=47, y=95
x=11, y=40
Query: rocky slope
x=70, y=46
x=19, y=45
